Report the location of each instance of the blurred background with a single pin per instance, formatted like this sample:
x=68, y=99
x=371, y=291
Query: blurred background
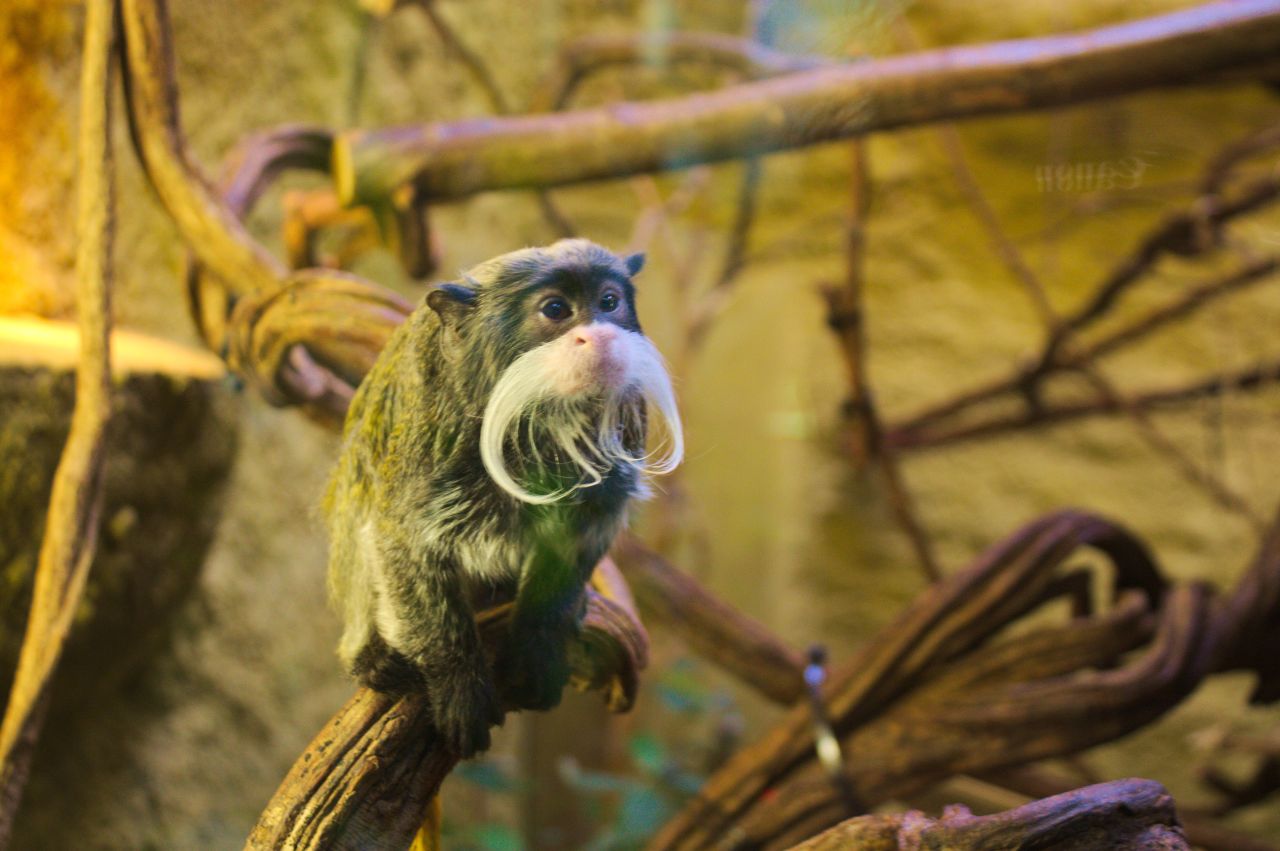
x=204, y=659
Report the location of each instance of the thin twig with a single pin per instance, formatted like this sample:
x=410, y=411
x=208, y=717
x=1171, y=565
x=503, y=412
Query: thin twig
x=1251, y=378
x=71, y=526
x=1186, y=466
x=1220, y=168
x=475, y=64
x=1060, y=332
x=845, y=317
x=710, y=304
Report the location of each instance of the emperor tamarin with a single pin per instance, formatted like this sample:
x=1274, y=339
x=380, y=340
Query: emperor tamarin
x=491, y=452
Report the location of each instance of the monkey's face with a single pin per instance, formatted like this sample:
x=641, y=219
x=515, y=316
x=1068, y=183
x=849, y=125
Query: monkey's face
x=577, y=376
x=586, y=332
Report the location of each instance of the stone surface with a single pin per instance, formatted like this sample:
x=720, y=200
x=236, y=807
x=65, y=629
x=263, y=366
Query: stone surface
x=171, y=439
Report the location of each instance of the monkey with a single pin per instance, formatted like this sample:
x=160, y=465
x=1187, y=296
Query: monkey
x=490, y=454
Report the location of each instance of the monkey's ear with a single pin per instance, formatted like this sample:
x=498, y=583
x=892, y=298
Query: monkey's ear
x=635, y=262
x=451, y=301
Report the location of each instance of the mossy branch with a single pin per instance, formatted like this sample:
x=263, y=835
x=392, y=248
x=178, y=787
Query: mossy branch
x=458, y=159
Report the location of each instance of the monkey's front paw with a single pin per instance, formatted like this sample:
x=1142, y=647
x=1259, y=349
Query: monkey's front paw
x=465, y=705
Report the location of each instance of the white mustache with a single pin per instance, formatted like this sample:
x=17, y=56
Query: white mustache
x=588, y=432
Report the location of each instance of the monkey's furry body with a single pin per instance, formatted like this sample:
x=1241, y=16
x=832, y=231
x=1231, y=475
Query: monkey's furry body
x=490, y=453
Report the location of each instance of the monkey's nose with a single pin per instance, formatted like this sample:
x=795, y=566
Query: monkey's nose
x=593, y=335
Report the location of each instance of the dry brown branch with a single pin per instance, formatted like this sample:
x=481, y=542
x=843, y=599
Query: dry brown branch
x=921, y=702
x=253, y=165
x=1059, y=333
x=1177, y=233
x=313, y=339
x=1131, y=814
x=474, y=63
x=1248, y=379
x=71, y=524
x=1201, y=832
x=449, y=161
x=845, y=317
x=209, y=228
x=934, y=695
x=365, y=781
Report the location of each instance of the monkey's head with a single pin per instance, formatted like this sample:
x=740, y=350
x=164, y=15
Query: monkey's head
x=550, y=338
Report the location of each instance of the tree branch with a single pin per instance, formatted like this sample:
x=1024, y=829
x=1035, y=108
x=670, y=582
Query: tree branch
x=211, y=230
x=709, y=626
x=1132, y=814
x=449, y=161
x=366, y=779
x=71, y=524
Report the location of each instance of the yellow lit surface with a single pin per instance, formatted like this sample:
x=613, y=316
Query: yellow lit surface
x=41, y=342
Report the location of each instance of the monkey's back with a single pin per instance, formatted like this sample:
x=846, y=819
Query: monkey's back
x=409, y=460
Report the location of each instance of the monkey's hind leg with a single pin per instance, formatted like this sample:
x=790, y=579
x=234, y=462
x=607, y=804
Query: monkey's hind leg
x=383, y=669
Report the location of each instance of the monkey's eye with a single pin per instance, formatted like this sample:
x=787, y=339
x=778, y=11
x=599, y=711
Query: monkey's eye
x=556, y=309
x=609, y=303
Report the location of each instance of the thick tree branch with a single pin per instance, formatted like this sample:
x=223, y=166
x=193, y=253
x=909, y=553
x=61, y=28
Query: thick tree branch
x=448, y=161
x=364, y=782
x=1200, y=831
x=1132, y=814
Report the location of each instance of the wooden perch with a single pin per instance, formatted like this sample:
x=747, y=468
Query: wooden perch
x=1133, y=814
x=454, y=160
x=365, y=781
